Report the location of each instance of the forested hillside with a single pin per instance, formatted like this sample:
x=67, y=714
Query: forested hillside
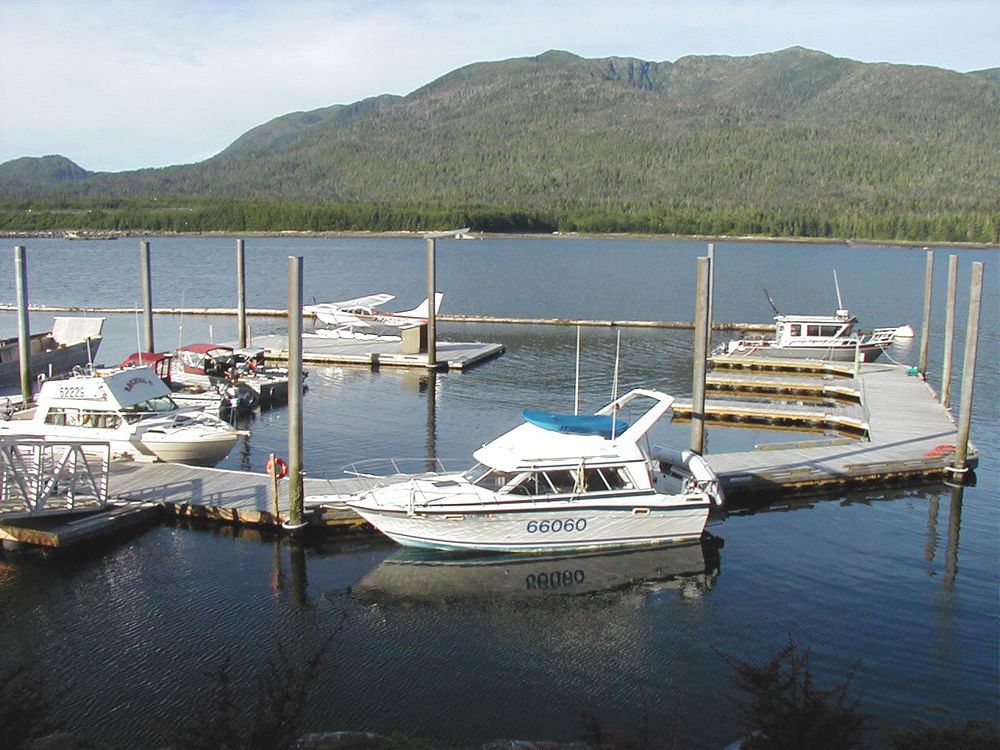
x=793, y=143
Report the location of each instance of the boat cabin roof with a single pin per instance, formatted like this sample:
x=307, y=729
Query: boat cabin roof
x=839, y=318
x=144, y=358
x=205, y=348
x=111, y=392
x=529, y=446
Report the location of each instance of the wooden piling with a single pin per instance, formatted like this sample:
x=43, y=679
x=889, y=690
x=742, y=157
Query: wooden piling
x=147, y=294
x=711, y=296
x=969, y=369
x=925, y=329
x=700, y=358
x=431, y=294
x=23, y=328
x=241, y=294
x=949, y=331
x=295, y=491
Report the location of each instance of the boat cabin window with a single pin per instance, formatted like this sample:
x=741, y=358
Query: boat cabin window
x=483, y=476
x=553, y=482
x=156, y=405
x=106, y=420
x=794, y=330
x=606, y=479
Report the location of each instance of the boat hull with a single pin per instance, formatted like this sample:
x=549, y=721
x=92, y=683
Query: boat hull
x=542, y=529
x=869, y=352
x=206, y=451
x=50, y=362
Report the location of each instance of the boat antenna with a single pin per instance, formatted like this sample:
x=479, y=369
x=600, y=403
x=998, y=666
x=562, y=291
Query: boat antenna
x=836, y=283
x=614, y=385
x=768, y=295
x=138, y=338
x=180, y=323
x=576, y=397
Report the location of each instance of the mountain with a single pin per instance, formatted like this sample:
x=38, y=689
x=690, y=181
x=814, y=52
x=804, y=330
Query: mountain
x=28, y=172
x=795, y=141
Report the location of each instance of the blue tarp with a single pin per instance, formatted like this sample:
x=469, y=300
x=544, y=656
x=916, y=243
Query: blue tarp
x=576, y=424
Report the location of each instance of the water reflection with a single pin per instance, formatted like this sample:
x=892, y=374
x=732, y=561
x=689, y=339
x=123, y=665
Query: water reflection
x=438, y=578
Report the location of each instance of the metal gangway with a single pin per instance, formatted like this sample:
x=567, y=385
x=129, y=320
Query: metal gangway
x=38, y=474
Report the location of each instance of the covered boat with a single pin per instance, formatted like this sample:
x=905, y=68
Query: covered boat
x=555, y=482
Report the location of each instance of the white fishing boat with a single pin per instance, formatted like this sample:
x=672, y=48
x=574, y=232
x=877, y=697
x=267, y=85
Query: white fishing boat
x=131, y=410
x=555, y=482
x=831, y=338
x=72, y=342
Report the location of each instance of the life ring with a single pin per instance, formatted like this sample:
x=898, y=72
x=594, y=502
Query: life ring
x=276, y=468
x=945, y=449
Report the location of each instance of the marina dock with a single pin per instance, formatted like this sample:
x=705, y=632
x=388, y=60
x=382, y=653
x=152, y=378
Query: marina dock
x=376, y=353
x=910, y=438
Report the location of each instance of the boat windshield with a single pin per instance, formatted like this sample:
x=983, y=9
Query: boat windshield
x=487, y=478
x=149, y=407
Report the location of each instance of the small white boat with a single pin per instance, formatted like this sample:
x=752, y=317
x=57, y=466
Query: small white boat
x=131, y=410
x=556, y=482
x=831, y=338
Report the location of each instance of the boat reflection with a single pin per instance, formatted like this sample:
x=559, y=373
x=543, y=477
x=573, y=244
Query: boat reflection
x=435, y=577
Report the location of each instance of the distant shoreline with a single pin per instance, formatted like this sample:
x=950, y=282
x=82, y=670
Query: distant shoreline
x=92, y=235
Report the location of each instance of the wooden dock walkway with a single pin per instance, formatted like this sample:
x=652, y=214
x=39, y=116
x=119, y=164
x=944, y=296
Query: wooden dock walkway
x=911, y=436
x=847, y=417
x=817, y=386
x=315, y=350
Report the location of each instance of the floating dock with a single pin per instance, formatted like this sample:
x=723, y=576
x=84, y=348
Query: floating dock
x=910, y=438
x=376, y=353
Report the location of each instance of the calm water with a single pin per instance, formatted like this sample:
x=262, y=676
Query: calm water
x=901, y=584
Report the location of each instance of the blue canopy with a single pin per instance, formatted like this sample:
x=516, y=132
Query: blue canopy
x=576, y=424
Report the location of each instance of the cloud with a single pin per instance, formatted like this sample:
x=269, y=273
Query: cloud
x=120, y=85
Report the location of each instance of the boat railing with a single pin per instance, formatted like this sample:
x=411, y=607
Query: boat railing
x=386, y=468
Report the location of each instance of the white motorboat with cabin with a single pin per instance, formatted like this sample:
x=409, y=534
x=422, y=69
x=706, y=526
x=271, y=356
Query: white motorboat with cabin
x=555, y=482
x=72, y=342
x=831, y=338
x=131, y=410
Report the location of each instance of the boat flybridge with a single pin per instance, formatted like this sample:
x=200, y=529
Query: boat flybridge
x=129, y=409
x=555, y=482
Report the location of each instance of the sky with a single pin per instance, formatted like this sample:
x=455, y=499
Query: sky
x=127, y=84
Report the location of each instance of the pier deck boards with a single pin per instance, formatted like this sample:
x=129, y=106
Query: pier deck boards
x=827, y=386
x=222, y=494
x=451, y=354
x=839, y=417
x=908, y=434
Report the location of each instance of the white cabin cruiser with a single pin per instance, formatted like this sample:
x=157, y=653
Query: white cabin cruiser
x=556, y=482
x=131, y=410
x=830, y=338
